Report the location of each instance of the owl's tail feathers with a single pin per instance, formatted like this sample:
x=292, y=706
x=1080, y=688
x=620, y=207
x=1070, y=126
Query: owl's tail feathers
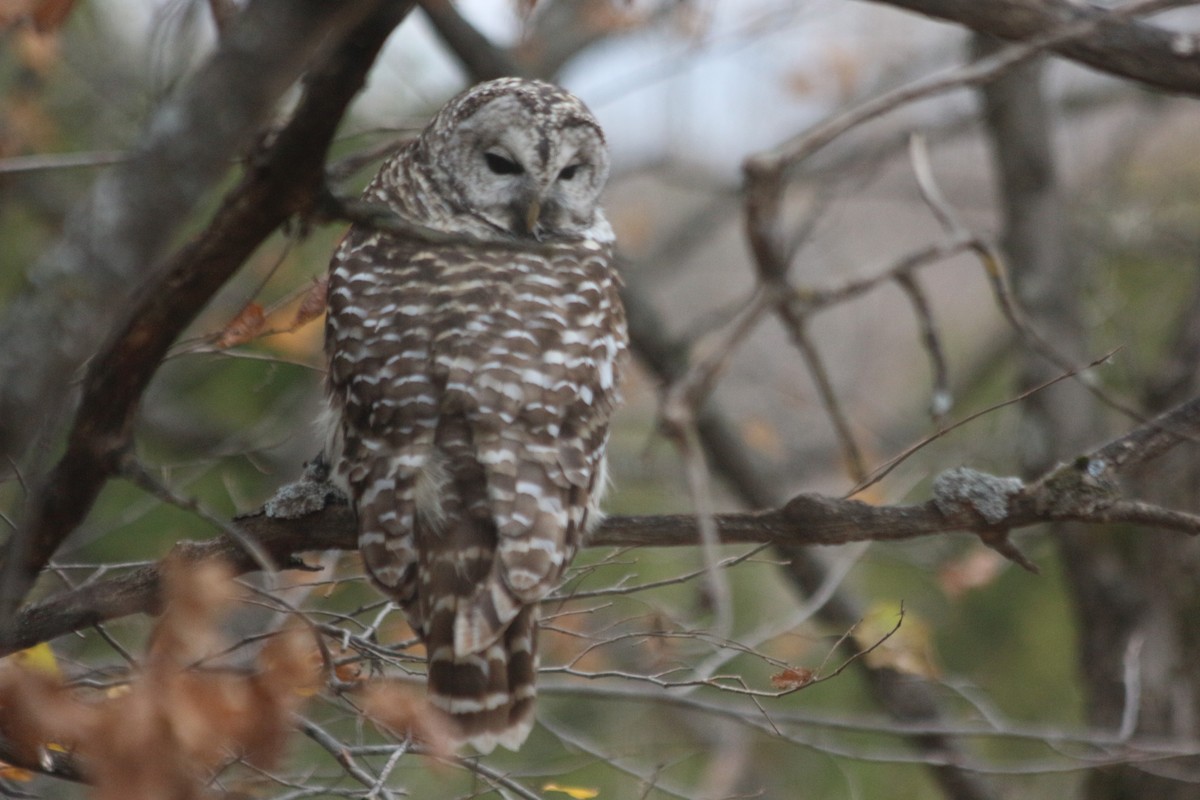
x=489, y=695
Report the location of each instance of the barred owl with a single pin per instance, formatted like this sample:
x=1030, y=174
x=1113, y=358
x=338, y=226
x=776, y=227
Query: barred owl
x=473, y=370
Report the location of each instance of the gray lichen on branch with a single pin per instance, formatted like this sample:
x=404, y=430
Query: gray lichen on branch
x=987, y=494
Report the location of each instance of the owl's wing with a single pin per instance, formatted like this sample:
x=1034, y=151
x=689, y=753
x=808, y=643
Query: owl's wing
x=378, y=343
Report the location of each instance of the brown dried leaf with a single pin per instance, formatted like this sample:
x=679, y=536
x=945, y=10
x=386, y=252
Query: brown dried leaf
x=350, y=672
x=313, y=304
x=762, y=435
x=175, y=723
x=38, y=51
x=792, y=678
x=404, y=712
x=12, y=11
x=36, y=710
x=196, y=596
x=245, y=327
x=134, y=750
x=292, y=662
x=27, y=125
x=49, y=15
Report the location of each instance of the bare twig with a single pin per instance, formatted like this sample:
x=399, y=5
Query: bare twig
x=797, y=329
x=341, y=754
x=45, y=162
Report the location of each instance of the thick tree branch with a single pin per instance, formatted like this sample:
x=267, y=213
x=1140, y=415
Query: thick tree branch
x=1117, y=45
x=281, y=180
x=138, y=207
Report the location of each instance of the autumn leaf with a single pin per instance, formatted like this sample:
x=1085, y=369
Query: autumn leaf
x=792, y=678
x=173, y=722
x=907, y=648
x=761, y=434
x=197, y=596
x=574, y=792
x=39, y=710
x=49, y=15
x=39, y=658
x=245, y=327
x=293, y=663
x=11, y=773
x=313, y=304
x=405, y=712
x=350, y=672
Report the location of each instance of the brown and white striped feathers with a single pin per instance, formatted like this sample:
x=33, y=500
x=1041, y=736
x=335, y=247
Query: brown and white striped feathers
x=473, y=372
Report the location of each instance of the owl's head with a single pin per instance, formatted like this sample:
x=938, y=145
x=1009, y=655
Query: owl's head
x=526, y=158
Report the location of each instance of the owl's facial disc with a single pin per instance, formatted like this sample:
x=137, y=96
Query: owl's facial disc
x=530, y=170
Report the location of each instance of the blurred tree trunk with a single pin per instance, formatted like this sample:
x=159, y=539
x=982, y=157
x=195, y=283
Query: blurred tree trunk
x=1134, y=592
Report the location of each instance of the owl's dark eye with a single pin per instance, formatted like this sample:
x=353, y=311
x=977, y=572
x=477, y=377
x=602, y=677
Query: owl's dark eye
x=568, y=172
x=501, y=165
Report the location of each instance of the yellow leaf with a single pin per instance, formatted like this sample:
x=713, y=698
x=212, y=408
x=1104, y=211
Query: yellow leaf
x=908, y=648
x=40, y=659
x=11, y=773
x=575, y=792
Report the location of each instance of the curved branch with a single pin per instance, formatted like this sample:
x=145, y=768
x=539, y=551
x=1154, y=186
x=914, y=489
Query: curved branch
x=1117, y=45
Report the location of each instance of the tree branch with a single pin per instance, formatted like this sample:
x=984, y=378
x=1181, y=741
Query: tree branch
x=482, y=59
x=1117, y=45
x=310, y=515
x=138, y=207
x=283, y=179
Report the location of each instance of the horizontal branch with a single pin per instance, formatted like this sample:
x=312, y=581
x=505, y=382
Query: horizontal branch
x=311, y=515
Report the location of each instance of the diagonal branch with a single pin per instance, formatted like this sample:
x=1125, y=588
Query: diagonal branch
x=137, y=208
x=281, y=180
x=1120, y=46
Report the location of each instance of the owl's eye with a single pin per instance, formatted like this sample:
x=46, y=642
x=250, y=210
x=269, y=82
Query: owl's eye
x=568, y=172
x=501, y=165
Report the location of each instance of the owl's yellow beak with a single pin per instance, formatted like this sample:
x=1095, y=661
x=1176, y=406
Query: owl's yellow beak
x=532, y=214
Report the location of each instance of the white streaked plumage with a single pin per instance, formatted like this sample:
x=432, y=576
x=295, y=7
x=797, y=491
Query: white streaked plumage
x=472, y=383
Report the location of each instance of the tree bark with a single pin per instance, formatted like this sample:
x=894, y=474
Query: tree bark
x=1134, y=598
x=1143, y=52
